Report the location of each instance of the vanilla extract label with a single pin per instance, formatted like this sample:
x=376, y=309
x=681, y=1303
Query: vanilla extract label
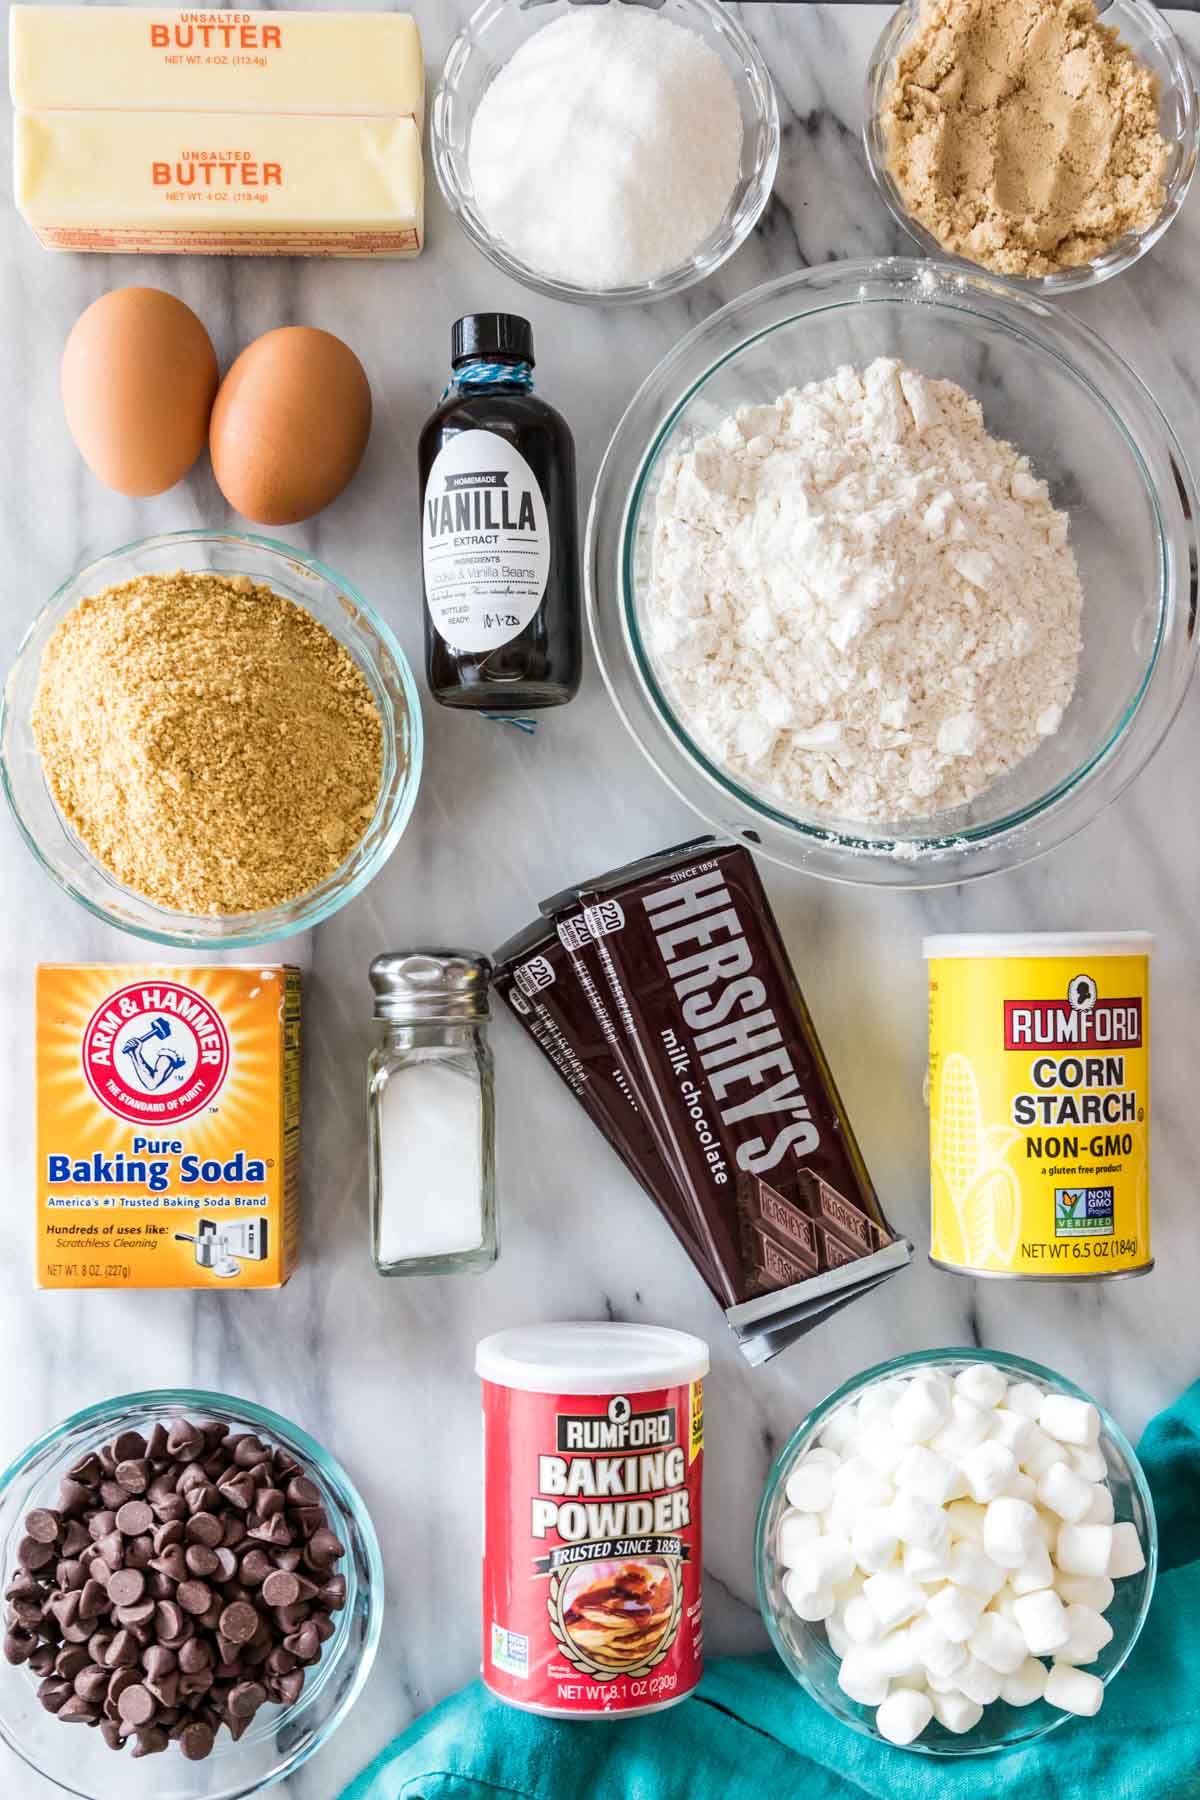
x=485, y=542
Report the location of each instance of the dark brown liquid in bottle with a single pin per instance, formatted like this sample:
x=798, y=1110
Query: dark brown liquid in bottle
x=539, y=665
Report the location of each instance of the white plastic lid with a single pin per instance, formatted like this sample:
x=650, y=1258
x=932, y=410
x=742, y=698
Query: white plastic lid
x=1041, y=943
x=590, y=1358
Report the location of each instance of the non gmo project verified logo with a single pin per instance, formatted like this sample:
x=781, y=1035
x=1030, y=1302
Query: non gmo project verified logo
x=1083, y=1212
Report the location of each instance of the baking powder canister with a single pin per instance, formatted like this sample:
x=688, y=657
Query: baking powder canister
x=593, y=1460
x=1039, y=1098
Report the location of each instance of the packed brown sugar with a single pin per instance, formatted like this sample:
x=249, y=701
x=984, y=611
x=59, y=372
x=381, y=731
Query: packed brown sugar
x=1023, y=134
x=211, y=743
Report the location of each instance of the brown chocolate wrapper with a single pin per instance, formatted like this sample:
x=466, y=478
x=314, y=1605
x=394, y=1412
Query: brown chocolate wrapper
x=754, y=1160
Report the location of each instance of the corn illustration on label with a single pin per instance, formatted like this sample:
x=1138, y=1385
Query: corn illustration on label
x=168, y=1125
x=1039, y=1096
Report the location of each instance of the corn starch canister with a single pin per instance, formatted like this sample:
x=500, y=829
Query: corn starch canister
x=593, y=1455
x=1039, y=1098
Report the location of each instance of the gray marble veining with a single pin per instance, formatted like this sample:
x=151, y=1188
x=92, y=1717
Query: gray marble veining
x=382, y=1371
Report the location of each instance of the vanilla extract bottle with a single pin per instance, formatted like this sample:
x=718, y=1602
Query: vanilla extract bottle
x=499, y=530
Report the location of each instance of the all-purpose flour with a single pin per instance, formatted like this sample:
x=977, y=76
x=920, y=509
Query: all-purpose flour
x=859, y=601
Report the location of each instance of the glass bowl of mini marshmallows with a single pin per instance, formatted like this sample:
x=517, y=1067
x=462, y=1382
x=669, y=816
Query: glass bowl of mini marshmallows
x=956, y=1552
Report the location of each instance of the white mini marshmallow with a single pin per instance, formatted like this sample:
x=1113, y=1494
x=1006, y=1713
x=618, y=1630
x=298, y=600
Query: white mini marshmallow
x=920, y=1522
x=840, y=1431
x=1069, y=1420
x=988, y=1468
x=1014, y=1430
x=966, y=1518
x=1086, y=1549
x=1100, y=1511
x=903, y=1716
x=1043, y=1454
x=862, y=1679
x=820, y=1453
x=1126, y=1556
x=926, y=1566
x=1003, y=1603
x=971, y=1567
x=810, y=1487
x=938, y=1654
x=981, y=1382
x=915, y=1680
x=882, y=1449
x=1009, y=1531
x=1089, y=1461
x=1037, y=1571
x=922, y=1409
x=1074, y=1690
x=1096, y=1591
x=860, y=1620
x=967, y=1426
x=1023, y=1487
x=1047, y=1528
x=1042, y=1618
x=873, y=1410
x=805, y=1602
x=1026, y=1684
x=956, y=1612
x=840, y=1641
x=1090, y=1631
x=999, y=1643
x=923, y=1471
x=1024, y=1397
x=796, y=1530
x=855, y=1479
x=895, y=1598
x=977, y=1681
x=1064, y=1492
x=895, y=1654
x=956, y=1712
x=874, y=1540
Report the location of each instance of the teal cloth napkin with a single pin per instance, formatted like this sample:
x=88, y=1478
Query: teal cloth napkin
x=751, y=1734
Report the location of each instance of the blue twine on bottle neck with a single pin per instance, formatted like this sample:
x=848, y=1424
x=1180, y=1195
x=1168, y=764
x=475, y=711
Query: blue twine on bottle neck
x=490, y=374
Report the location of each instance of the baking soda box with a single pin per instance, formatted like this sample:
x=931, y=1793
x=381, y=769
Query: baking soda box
x=168, y=1126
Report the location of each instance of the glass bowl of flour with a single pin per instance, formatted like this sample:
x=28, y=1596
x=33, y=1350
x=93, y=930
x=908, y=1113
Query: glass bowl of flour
x=891, y=572
x=605, y=153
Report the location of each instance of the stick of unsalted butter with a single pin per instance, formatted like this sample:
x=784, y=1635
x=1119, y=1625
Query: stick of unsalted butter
x=152, y=59
x=214, y=184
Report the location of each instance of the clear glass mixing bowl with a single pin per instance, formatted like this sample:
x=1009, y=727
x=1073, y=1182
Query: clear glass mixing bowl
x=281, y=1738
x=343, y=612
x=1092, y=430
x=1152, y=41
x=496, y=31
x=805, y=1648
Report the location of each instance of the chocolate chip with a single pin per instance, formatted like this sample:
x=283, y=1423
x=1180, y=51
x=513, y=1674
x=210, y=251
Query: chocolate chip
x=196, y=1741
x=101, y=1523
x=33, y=1554
x=303, y=1492
x=129, y=1446
x=112, y=1495
x=123, y=1652
x=194, y=1596
x=291, y=1687
x=201, y=1560
x=42, y=1525
x=281, y=1589
x=55, y=1694
x=75, y=1711
x=134, y=1517
x=91, y=1683
x=93, y=1599
x=256, y=1565
x=126, y=1587
x=227, y=1563
x=136, y=1705
x=194, y=1655
x=68, y=1662
x=19, y=1646
x=239, y=1622
x=246, y=1698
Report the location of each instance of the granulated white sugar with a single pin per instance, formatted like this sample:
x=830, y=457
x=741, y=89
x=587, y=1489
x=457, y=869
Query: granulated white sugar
x=860, y=602
x=605, y=151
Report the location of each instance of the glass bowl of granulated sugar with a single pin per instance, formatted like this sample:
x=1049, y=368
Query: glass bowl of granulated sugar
x=889, y=572
x=210, y=740
x=605, y=153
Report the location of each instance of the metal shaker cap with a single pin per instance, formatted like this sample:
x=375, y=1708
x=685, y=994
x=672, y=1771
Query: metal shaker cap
x=414, y=987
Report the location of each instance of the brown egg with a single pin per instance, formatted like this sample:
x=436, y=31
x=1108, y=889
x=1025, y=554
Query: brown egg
x=290, y=425
x=138, y=378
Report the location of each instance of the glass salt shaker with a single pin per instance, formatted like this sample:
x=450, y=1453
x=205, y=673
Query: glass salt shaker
x=431, y=1114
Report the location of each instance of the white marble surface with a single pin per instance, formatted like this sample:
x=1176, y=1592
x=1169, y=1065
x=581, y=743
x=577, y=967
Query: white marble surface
x=382, y=1371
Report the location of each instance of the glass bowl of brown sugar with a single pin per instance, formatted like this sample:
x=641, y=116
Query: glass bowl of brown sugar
x=210, y=739
x=1144, y=35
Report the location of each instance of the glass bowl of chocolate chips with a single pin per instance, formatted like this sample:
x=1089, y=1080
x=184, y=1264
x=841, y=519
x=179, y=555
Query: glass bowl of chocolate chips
x=191, y=1582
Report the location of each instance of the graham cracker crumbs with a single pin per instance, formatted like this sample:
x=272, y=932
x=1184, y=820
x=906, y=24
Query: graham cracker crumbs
x=211, y=743
x=1023, y=134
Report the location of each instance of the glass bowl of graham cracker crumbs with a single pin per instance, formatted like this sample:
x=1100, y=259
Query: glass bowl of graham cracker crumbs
x=1054, y=158
x=210, y=740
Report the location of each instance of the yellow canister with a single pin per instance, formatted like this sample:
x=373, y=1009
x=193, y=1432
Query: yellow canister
x=1039, y=1104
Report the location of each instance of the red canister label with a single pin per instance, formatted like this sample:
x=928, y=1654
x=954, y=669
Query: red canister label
x=592, y=1562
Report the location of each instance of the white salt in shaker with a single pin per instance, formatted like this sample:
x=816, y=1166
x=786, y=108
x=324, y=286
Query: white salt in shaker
x=430, y=1104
